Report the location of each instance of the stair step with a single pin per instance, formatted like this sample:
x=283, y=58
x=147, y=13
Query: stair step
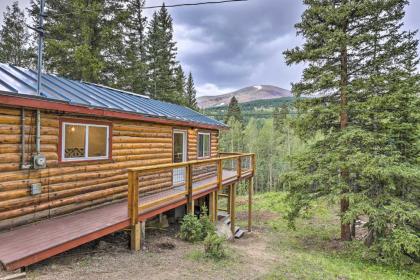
x=239, y=233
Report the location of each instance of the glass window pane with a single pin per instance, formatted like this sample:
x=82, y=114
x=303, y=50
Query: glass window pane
x=74, y=142
x=206, y=145
x=200, y=145
x=178, y=147
x=97, y=141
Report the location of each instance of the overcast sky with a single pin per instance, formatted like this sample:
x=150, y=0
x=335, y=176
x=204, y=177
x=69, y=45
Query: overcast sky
x=233, y=45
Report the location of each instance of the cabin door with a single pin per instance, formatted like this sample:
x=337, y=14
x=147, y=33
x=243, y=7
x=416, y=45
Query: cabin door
x=180, y=155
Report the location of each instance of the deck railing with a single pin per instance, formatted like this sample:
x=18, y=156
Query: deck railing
x=182, y=178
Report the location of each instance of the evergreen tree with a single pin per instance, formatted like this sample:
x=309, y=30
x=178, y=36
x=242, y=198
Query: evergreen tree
x=161, y=57
x=133, y=76
x=191, y=93
x=180, y=86
x=234, y=110
x=85, y=39
x=360, y=70
x=280, y=116
x=15, y=39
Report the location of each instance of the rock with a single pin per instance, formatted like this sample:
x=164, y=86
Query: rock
x=223, y=230
x=102, y=245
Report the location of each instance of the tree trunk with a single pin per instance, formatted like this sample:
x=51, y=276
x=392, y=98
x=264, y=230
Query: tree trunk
x=345, y=227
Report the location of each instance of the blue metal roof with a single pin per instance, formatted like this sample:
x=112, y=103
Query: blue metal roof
x=23, y=81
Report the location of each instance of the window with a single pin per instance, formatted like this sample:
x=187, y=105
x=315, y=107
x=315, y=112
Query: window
x=203, y=145
x=84, y=141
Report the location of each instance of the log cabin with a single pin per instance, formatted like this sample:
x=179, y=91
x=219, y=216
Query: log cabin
x=80, y=161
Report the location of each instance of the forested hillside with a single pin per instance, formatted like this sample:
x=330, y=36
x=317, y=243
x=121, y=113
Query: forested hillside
x=258, y=109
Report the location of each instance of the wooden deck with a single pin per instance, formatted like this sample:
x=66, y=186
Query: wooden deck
x=29, y=244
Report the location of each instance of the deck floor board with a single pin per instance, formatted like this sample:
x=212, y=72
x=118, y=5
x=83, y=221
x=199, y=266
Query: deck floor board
x=30, y=240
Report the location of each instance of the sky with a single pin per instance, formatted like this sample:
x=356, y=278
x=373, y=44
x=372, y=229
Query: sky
x=233, y=45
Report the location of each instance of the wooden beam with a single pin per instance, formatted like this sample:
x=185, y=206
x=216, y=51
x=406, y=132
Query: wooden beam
x=239, y=168
x=212, y=206
x=232, y=208
x=220, y=175
x=216, y=206
x=189, y=186
x=135, y=237
x=250, y=194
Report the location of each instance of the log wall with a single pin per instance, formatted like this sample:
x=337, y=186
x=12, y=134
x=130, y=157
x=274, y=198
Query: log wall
x=68, y=187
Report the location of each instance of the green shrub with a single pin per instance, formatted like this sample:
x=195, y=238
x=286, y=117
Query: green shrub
x=191, y=229
x=214, y=247
x=207, y=226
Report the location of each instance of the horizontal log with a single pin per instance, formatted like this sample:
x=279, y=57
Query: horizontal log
x=124, y=146
x=29, y=130
x=128, y=139
x=142, y=157
x=154, y=151
x=45, y=139
x=14, y=157
x=141, y=134
x=16, y=148
x=30, y=121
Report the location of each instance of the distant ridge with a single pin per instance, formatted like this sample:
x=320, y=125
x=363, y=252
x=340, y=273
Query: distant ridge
x=252, y=93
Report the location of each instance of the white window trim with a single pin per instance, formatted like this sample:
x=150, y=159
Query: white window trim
x=86, y=157
x=198, y=146
x=184, y=143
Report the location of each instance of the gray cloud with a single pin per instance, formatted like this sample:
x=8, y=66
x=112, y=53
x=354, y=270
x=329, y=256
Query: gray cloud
x=229, y=46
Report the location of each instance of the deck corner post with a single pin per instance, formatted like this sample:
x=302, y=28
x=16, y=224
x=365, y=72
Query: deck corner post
x=213, y=206
x=239, y=168
x=135, y=242
x=133, y=209
x=219, y=174
x=232, y=208
x=250, y=194
x=189, y=186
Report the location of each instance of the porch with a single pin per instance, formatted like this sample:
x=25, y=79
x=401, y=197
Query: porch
x=29, y=244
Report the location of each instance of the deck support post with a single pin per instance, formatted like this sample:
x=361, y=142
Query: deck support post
x=133, y=209
x=229, y=199
x=188, y=181
x=135, y=237
x=232, y=208
x=213, y=206
x=250, y=194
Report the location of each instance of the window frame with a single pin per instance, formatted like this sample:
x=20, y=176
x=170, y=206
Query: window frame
x=198, y=145
x=86, y=124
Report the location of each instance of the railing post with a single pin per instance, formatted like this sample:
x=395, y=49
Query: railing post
x=232, y=208
x=188, y=183
x=239, y=168
x=133, y=209
x=250, y=193
x=219, y=174
x=254, y=164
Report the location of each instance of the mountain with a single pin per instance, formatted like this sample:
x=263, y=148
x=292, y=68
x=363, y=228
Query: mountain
x=247, y=94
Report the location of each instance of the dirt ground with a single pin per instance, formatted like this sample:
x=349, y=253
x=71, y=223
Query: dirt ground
x=164, y=256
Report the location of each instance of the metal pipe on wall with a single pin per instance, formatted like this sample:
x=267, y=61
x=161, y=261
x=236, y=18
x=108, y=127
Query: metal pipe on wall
x=22, y=135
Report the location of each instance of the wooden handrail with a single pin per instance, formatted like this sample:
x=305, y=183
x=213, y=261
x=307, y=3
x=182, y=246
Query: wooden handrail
x=133, y=179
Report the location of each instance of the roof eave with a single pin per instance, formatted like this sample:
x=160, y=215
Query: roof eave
x=37, y=102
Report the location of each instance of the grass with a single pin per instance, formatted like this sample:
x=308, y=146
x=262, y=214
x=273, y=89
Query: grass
x=312, y=251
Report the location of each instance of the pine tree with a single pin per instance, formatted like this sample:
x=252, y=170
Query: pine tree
x=360, y=72
x=280, y=116
x=161, y=57
x=180, y=84
x=234, y=110
x=191, y=93
x=133, y=74
x=85, y=39
x=15, y=39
